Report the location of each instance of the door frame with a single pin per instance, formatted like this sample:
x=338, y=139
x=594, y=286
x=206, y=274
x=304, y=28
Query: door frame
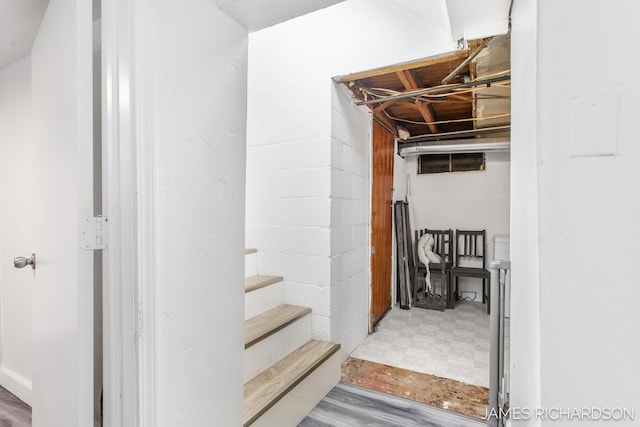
x=129, y=355
x=371, y=322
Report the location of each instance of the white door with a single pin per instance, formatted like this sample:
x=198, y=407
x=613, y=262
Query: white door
x=16, y=217
x=62, y=197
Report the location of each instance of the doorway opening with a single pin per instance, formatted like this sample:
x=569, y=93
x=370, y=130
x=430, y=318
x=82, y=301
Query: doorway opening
x=309, y=173
x=452, y=172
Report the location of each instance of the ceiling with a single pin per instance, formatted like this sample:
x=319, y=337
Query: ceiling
x=258, y=14
x=20, y=19
x=430, y=12
x=473, y=19
x=411, y=100
x=19, y=23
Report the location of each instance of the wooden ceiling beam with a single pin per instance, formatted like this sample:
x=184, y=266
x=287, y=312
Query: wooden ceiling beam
x=425, y=62
x=388, y=104
x=427, y=113
x=383, y=106
x=409, y=82
x=407, y=79
x=459, y=97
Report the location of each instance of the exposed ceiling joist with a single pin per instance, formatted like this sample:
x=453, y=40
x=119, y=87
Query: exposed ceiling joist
x=411, y=96
x=424, y=62
x=409, y=81
x=465, y=63
x=437, y=89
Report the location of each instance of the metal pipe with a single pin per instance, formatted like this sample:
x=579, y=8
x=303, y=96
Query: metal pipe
x=460, y=134
x=493, y=415
x=437, y=89
x=499, y=270
x=501, y=386
x=473, y=145
x=464, y=63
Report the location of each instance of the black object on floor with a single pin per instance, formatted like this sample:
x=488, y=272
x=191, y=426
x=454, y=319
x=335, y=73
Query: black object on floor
x=347, y=405
x=13, y=411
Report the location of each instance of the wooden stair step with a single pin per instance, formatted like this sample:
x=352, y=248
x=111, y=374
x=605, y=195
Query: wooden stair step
x=265, y=390
x=256, y=282
x=248, y=251
x=268, y=323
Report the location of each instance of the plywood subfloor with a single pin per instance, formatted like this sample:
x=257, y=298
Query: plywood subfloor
x=424, y=388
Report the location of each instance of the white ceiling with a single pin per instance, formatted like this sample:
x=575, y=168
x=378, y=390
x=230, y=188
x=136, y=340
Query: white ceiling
x=473, y=19
x=20, y=19
x=469, y=19
x=19, y=23
x=434, y=12
x=258, y=14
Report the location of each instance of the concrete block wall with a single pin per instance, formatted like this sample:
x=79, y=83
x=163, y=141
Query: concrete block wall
x=307, y=167
x=288, y=212
x=350, y=213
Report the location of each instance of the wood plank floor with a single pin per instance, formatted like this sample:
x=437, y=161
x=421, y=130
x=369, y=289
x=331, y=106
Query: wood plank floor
x=13, y=411
x=347, y=405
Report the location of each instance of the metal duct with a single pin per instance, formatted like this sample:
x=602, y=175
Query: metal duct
x=479, y=145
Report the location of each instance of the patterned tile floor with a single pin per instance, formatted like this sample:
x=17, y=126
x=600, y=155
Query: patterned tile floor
x=450, y=344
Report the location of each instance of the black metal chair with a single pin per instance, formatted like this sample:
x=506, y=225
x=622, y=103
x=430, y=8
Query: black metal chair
x=437, y=297
x=470, y=246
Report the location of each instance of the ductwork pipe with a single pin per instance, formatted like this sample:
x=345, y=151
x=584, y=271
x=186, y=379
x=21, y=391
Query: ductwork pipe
x=480, y=145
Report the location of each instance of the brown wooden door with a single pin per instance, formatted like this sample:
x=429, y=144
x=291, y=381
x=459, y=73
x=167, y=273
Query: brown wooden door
x=381, y=223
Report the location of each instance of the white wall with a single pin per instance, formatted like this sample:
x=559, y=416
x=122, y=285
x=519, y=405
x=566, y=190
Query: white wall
x=192, y=72
x=465, y=201
x=524, y=245
x=588, y=164
x=575, y=154
x=350, y=214
x=16, y=122
x=296, y=153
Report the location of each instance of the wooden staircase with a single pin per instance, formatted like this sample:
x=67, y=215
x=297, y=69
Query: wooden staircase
x=286, y=371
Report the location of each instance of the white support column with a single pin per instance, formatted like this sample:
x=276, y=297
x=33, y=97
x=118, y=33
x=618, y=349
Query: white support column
x=121, y=327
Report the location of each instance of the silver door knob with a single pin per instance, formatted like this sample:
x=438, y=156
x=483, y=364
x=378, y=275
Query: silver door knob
x=22, y=262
